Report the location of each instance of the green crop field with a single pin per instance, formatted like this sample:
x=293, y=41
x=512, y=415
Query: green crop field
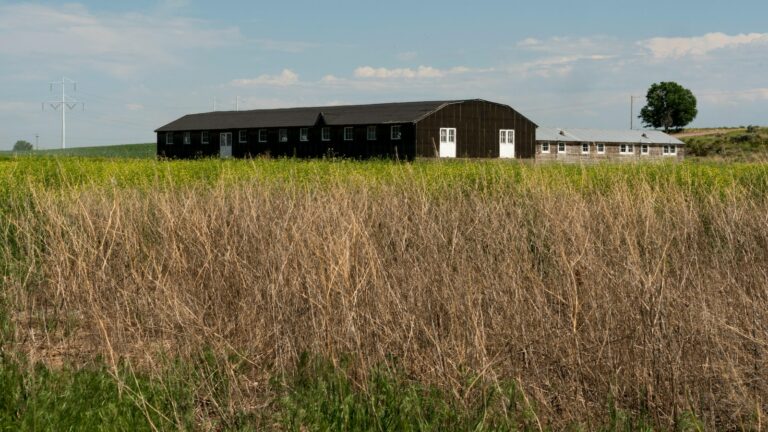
x=281, y=294
x=130, y=151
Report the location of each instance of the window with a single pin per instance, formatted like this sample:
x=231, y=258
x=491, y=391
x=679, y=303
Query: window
x=644, y=149
x=584, y=148
x=283, y=135
x=349, y=133
x=304, y=134
x=169, y=138
x=560, y=147
x=506, y=136
x=242, y=136
x=447, y=148
x=371, y=133
x=627, y=149
x=395, y=133
x=187, y=138
x=262, y=135
x=545, y=147
x=204, y=138
x=670, y=150
x=447, y=135
x=326, y=134
x=600, y=148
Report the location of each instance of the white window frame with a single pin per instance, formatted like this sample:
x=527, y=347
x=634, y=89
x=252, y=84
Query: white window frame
x=395, y=133
x=325, y=134
x=282, y=135
x=504, y=135
x=205, y=137
x=187, y=138
x=169, y=138
x=561, y=144
x=448, y=136
x=627, y=149
x=582, y=148
x=645, y=150
x=670, y=150
x=370, y=133
x=349, y=133
x=242, y=136
x=543, y=145
x=263, y=135
x=600, y=148
x=304, y=134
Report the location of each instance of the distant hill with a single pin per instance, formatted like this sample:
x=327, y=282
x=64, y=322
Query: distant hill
x=130, y=151
x=741, y=144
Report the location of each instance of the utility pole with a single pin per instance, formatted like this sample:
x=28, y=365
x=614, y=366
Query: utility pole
x=632, y=111
x=214, y=103
x=37, y=142
x=64, y=104
x=237, y=103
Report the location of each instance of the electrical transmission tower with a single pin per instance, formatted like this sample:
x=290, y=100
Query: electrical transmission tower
x=66, y=102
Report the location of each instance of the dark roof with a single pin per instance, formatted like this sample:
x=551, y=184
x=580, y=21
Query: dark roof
x=399, y=112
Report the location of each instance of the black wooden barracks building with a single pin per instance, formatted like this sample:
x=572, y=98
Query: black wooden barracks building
x=460, y=128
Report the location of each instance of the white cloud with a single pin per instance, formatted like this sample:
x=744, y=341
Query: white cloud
x=121, y=45
x=331, y=79
x=286, y=78
x=384, y=73
x=407, y=56
x=558, y=66
x=558, y=57
x=732, y=98
x=421, y=72
x=591, y=45
x=292, y=47
x=678, y=47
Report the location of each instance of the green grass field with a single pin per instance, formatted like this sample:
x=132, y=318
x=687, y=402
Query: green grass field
x=124, y=151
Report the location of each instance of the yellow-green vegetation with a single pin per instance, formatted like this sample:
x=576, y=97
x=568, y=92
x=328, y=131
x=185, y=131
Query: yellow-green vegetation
x=132, y=151
x=344, y=295
x=737, y=144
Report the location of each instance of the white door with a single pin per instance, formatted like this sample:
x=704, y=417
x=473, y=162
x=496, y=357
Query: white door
x=448, y=142
x=507, y=143
x=225, y=145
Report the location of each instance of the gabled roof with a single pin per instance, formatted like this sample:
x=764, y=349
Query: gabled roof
x=606, y=135
x=399, y=112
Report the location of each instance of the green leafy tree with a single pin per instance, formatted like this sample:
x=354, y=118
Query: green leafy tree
x=22, y=146
x=668, y=105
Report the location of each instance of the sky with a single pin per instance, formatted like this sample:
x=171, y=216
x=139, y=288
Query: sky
x=141, y=64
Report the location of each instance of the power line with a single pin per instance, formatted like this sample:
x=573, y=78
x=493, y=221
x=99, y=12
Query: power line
x=64, y=104
x=632, y=110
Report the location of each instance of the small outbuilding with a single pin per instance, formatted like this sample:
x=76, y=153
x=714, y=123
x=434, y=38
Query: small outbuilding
x=589, y=145
x=472, y=128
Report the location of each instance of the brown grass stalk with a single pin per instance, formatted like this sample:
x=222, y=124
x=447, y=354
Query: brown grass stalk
x=646, y=296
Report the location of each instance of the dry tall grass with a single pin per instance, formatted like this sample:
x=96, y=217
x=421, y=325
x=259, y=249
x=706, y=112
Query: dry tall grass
x=643, y=295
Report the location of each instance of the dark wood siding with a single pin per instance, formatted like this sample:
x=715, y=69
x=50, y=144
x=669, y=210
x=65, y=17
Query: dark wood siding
x=360, y=147
x=477, y=126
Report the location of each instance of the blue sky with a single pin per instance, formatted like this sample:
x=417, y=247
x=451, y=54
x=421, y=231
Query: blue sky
x=141, y=64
